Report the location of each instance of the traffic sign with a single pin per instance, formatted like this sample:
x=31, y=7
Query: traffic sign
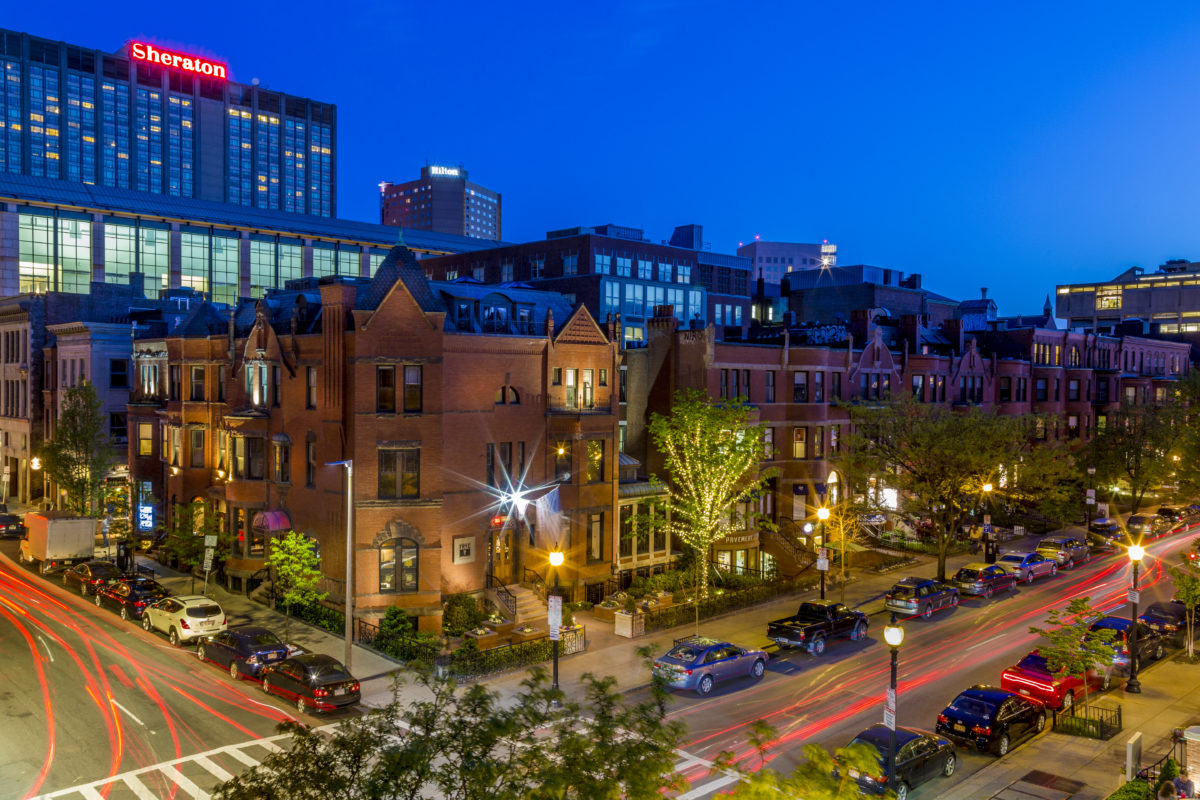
x=210, y=540
x=823, y=564
x=208, y=557
x=987, y=519
x=554, y=615
x=822, y=552
x=1091, y=493
x=1134, y=596
x=889, y=719
x=1091, y=501
x=891, y=700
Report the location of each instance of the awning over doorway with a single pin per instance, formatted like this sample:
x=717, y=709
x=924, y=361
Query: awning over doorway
x=272, y=521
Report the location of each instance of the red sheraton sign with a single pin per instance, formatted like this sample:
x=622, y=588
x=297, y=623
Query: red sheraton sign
x=200, y=66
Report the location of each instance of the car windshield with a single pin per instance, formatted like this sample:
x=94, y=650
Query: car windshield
x=973, y=707
x=1051, y=544
x=201, y=612
x=1013, y=558
x=263, y=638
x=686, y=653
x=333, y=672
x=967, y=575
x=903, y=591
x=811, y=610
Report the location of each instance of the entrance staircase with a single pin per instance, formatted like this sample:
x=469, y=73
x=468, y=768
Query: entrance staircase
x=530, y=606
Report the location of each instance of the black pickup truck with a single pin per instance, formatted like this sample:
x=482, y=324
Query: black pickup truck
x=814, y=624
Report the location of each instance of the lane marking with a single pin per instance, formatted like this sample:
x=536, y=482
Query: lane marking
x=48, y=653
x=986, y=641
x=128, y=713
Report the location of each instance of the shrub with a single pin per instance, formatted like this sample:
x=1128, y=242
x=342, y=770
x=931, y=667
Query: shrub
x=462, y=613
x=580, y=605
x=630, y=605
x=1168, y=773
x=316, y=614
x=395, y=622
x=470, y=661
x=1136, y=789
x=461, y=658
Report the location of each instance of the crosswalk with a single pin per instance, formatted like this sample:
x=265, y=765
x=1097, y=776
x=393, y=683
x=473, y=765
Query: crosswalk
x=196, y=776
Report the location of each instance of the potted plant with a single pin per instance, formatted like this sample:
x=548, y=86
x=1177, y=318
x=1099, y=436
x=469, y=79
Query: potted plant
x=498, y=624
x=526, y=632
x=604, y=611
x=629, y=622
x=483, y=637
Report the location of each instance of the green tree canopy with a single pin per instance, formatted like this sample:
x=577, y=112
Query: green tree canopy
x=1135, y=448
x=820, y=776
x=939, y=459
x=1070, y=647
x=189, y=526
x=80, y=454
x=295, y=572
x=1187, y=591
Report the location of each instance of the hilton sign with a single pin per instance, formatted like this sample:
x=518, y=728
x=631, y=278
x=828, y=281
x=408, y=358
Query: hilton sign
x=200, y=66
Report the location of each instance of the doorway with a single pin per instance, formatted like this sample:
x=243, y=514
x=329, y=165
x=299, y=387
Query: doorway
x=503, y=555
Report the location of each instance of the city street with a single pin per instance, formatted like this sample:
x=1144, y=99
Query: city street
x=101, y=697
x=830, y=699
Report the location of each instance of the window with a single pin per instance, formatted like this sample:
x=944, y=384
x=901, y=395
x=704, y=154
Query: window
x=623, y=375
x=588, y=397
x=644, y=270
x=624, y=266
x=595, y=463
x=196, y=395
x=196, y=447
x=1039, y=389
x=413, y=398
x=603, y=378
x=818, y=443
x=221, y=384
x=249, y=458
x=835, y=436
x=799, y=442
x=399, y=474
x=174, y=379
x=118, y=426
x=835, y=387
x=770, y=390
x=222, y=444
x=176, y=436
x=799, y=387
x=1073, y=426
x=918, y=388
x=664, y=272
x=603, y=264
x=398, y=570
x=562, y=458
x=572, y=393
x=118, y=373
x=769, y=443
x=683, y=273
x=283, y=463
x=556, y=376
x=595, y=537
x=310, y=463
x=145, y=438
x=310, y=389
x=818, y=387
x=1073, y=390
x=570, y=263
x=276, y=386
x=1004, y=390
x=385, y=390
x=724, y=393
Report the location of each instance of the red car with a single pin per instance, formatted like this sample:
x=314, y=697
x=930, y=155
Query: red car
x=1032, y=678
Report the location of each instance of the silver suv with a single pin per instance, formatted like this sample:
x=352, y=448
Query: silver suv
x=185, y=619
x=1066, y=551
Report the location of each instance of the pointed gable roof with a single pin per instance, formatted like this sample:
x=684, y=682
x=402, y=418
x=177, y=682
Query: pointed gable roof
x=580, y=328
x=400, y=265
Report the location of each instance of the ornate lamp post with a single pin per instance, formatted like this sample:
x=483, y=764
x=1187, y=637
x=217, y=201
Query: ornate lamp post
x=556, y=561
x=822, y=515
x=893, y=634
x=1133, y=686
x=989, y=550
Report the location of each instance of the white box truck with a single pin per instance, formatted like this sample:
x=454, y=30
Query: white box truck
x=56, y=539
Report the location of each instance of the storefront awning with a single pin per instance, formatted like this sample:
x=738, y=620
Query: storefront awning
x=272, y=521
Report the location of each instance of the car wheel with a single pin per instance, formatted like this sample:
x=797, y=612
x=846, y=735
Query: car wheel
x=860, y=632
x=266, y=685
x=818, y=645
x=1002, y=745
x=1068, y=701
x=64, y=579
x=124, y=613
x=1040, y=724
x=200, y=653
x=705, y=686
x=1106, y=682
x=951, y=763
x=234, y=672
x=173, y=637
x=146, y=626
x=902, y=791
x=83, y=592
x=758, y=669
x=928, y=612
x=987, y=593
x=1053, y=570
x=1159, y=652
x=301, y=705
x=1029, y=576
x=97, y=601
x=1070, y=564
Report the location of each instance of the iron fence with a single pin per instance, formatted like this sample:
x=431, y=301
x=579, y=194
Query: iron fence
x=403, y=646
x=474, y=664
x=506, y=598
x=1092, y=722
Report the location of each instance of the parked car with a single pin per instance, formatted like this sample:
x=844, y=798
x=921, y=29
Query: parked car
x=1145, y=525
x=1027, y=566
x=699, y=663
x=1169, y=620
x=90, y=576
x=1174, y=516
x=920, y=596
x=1149, y=642
x=991, y=719
x=814, y=624
x=11, y=527
x=1065, y=551
x=1105, y=530
x=983, y=579
x=130, y=596
x=919, y=757
x=184, y=618
x=1032, y=677
x=314, y=681
x=243, y=650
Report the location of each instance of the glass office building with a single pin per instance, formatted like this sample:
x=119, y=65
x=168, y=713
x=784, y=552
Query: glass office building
x=108, y=119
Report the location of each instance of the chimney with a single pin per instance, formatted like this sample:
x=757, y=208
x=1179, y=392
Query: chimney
x=953, y=328
x=984, y=291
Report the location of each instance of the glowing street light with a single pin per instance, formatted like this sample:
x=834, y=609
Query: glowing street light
x=1133, y=686
x=893, y=634
x=822, y=515
x=556, y=561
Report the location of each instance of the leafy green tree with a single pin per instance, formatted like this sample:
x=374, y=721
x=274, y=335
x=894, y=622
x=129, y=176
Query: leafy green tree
x=1136, y=446
x=939, y=460
x=184, y=542
x=465, y=744
x=711, y=451
x=821, y=776
x=1187, y=591
x=1070, y=647
x=296, y=573
x=80, y=454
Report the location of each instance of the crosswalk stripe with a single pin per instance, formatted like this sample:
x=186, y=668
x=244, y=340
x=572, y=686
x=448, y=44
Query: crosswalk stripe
x=237, y=753
x=708, y=788
x=269, y=745
x=138, y=788
x=90, y=794
x=216, y=769
x=183, y=783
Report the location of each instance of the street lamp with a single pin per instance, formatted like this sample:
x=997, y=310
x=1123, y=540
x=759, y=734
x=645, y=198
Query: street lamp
x=893, y=634
x=989, y=552
x=822, y=515
x=1133, y=686
x=1089, y=501
x=556, y=561
x=349, y=627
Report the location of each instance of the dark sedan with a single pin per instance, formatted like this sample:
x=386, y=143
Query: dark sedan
x=1105, y=531
x=919, y=757
x=984, y=579
x=91, y=576
x=11, y=527
x=314, y=681
x=1169, y=620
x=243, y=650
x=130, y=596
x=1149, y=642
x=991, y=719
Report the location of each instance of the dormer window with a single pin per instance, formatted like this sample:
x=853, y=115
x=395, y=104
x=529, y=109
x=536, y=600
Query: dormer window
x=256, y=383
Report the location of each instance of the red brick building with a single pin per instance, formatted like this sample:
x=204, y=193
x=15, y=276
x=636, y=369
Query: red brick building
x=452, y=399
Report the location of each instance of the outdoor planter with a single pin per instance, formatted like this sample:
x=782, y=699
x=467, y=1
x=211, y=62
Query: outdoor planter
x=629, y=625
x=503, y=628
x=573, y=639
x=484, y=640
x=604, y=614
x=525, y=633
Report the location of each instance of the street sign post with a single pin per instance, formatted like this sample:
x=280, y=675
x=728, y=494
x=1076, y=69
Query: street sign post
x=208, y=558
x=889, y=719
x=554, y=615
x=1135, y=596
x=210, y=541
x=891, y=700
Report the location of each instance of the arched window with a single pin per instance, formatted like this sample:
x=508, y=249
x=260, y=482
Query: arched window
x=398, y=566
x=514, y=399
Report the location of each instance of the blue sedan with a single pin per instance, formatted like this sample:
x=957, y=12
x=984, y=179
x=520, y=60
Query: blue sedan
x=698, y=663
x=244, y=650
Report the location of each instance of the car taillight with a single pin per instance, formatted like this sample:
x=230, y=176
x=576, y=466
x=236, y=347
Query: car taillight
x=981, y=730
x=141, y=603
x=687, y=672
x=1124, y=649
x=183, y=624
x=354, y=687
x=942, y=718
x=252, y=658
x=320, y=692
x=224, y=620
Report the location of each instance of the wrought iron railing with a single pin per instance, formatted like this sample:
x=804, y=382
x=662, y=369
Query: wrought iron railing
x=1093, y=722
x=539, y=584
x=404, y=646
x=1178, y=751
x=506, y=598
x=466, y=664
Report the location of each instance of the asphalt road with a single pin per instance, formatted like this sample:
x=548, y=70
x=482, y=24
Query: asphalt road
x=828, y=700
x=85, y=695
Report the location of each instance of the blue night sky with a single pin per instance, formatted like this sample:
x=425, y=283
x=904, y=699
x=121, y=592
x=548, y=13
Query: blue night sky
x=1012, y=146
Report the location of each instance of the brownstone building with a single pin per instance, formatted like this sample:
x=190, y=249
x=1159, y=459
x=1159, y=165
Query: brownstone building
x=460, y=405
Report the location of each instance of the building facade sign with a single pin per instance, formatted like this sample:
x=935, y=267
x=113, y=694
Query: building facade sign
x=444, y=172
x=156, y=55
